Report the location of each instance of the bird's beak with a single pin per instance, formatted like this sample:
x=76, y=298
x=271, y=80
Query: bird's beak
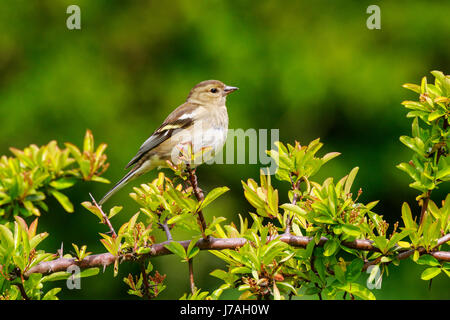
x=229, y=89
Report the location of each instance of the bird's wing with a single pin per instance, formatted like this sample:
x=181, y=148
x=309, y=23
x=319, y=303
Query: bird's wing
x=181, y=118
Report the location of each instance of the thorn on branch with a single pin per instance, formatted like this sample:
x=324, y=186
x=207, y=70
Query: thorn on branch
x=60, y=251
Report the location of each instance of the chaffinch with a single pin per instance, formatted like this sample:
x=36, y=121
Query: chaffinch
x=201, y=123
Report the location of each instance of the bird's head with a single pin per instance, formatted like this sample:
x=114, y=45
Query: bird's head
x=210, y=92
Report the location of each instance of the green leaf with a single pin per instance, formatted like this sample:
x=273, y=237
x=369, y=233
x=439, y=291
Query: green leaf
x=357, y=290
x=354, y=270
x=381, y=243
x=276, y=292
x=88, y=143
x=63, y=183
x=330, y=247
x=430, y=273
x=23, y=231
x=412, y=144
x=221, y=274
x=351, y=230
x=212, y=195
x=443, y=172
x=428, y=260
x=114, y=210
x=396, y=237
x=330, y=156
x=17, y=236
x=350, y=179
x=309, y=249
x=332, y=199
x=241, y=270
x=132, y=222
x=413, y=87
x=252, y=197
x=339, y=273
x=180, y=217
x=89, y=272
x=6, y=236
x=51, y=294
x=100, y=179
x=410, y=170
x=60, y=275
x=435, y=115
x=407, y=217
x=74, y=151
x=294, y=208
x=34, y=242
x=416, y=256
x=423, y=85
x=311, y=291
x=63, y=200
x=192, y=250
x=288, y=286
x=93, y=209
x=415, y=128
x=177, y=249
x=320, y=267
x=324, y=219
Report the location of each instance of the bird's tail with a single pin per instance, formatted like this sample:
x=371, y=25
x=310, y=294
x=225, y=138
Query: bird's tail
x=129, y=176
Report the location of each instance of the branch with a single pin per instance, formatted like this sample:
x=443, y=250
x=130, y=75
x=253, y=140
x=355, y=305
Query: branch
x=166, y=229
x=443, y=240
x=191, y=275
x=199, y=195
x=105, y=217
x=22, y=290
x=440, y=255
x=17, y=273
x=159, y=249
x=145, y=281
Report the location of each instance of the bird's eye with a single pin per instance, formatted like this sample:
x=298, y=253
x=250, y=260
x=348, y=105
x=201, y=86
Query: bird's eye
x=213, y=90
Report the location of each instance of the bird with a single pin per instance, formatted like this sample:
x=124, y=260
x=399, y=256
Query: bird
x=201, y=123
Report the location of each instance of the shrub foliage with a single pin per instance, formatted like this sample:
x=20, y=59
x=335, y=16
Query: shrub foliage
x=318, y=239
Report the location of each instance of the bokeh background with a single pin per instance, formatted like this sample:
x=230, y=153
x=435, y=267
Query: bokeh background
x=311, y=69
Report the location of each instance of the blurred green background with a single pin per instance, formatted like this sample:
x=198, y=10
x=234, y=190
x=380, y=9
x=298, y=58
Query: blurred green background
x=311, y=69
